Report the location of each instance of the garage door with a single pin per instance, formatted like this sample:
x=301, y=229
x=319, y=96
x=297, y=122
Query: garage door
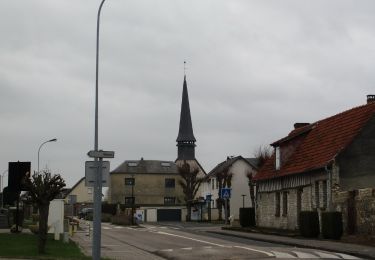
x=169, y=214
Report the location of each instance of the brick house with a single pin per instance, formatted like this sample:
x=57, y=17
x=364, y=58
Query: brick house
x=321, y=166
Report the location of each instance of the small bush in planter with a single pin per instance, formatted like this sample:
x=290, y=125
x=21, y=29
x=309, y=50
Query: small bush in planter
x=332, y=227
x=309, y=223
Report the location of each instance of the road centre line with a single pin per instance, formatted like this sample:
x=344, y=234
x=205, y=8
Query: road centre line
x=193, y=239
x=255, y=250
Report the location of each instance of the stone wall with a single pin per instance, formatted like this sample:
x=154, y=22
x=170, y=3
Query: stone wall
x=266, y=210
x=364, y=201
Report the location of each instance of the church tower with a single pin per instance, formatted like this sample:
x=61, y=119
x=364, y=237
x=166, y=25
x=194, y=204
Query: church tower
x=185, y=139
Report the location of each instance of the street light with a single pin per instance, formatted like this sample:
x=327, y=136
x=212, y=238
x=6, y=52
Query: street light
x=1, y=187
x=2, y=180
x=52, y=140
x=243, y=200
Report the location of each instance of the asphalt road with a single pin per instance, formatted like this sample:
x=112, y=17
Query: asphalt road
x=192, y=241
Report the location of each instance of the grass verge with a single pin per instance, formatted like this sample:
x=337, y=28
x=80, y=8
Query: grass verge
x=25, y=246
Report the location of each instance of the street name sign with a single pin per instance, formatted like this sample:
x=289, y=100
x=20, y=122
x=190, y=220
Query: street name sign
x=101, y=154
x=91, y=170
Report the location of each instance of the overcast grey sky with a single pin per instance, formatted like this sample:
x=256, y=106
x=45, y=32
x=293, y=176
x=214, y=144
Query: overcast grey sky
x=254, y=68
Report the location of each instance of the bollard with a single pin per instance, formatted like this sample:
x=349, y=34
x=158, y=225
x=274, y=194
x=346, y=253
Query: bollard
x=65, y=237
x=70, y=229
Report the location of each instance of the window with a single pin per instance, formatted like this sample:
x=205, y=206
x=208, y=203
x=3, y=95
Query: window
x=213, y=184
x=165, y=164
x=325, y=193
x=89, y=190
x=129, y=200
x=317, y=201
x=285, y=203
x=213, y=204
x=169, y=183
x=277, y=204
x=132, y=164
x=169, y=200
x=129, y=181
x=72, y=199
x=278, y=158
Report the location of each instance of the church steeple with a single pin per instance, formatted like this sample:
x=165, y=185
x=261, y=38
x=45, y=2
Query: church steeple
x=185, y=139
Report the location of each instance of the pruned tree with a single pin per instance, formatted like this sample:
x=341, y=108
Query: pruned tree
x=224, y=179
x=251, y=187
x=43, y=188
x=190, y=184
x=262, y=154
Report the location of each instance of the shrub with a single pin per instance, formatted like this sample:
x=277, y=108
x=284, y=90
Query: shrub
x=35, y=218
x=309, y=223
x=332, y=227
x=34, y=229
x=106, y=217
x=247, y=217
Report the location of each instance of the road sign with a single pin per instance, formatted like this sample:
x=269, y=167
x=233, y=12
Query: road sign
x=91, y=169
x=225, y=193
x=101, y=154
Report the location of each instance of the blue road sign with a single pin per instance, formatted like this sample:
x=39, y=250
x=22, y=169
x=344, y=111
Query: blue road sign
x=225, y=193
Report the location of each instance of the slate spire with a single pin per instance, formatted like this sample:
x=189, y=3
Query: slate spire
x=185, y=139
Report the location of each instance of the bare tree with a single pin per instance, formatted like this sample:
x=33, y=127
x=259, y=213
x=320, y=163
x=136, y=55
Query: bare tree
x=224, y=179
x=43, y=188
x=251, y=187
x=190, y=184
x=262, y=153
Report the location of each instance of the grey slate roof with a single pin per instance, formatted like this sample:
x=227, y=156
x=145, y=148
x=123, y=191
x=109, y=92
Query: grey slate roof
x=185, y=132
x=231, y=160
x=146, y=167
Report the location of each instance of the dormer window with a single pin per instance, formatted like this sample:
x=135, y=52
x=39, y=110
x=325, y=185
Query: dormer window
x=277, y=158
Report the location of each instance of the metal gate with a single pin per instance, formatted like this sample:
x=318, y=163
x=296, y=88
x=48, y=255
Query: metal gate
x=169, y=215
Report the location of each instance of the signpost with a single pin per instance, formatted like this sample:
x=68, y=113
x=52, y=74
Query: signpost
x=226, y=194
x=91, y=168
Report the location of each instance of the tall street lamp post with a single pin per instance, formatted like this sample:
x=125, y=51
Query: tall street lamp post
x=243, y=200
x=52, y=140
x=2, y=186
x=96, y=241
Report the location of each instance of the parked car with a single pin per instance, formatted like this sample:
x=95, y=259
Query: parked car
x=86, y=213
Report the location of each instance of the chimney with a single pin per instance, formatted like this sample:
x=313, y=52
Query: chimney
x=370, y=99
x=299, y=125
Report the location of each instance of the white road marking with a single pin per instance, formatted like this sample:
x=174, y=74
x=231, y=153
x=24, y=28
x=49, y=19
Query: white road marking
x=106, y=228
x=345, y=256
x=207, y=247
x=326, y=255
x=255, y=250
x=167, y=250
x=187, y=248
x=119, y=227
x=282, y=255
x=305, y=255
x=190, y=238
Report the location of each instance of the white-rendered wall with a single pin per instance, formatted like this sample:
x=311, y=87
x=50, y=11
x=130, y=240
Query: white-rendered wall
x=151, y=215
x=240, y=186
x=56, y=216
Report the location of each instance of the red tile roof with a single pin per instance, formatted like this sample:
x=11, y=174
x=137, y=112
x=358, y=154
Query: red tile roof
x=323, y=142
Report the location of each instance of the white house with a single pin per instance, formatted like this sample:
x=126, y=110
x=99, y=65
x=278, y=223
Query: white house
x=239, y=168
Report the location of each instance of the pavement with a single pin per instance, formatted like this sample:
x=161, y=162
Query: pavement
x=363, y=251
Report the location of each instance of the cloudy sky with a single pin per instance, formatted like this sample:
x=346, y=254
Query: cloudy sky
x=254, y=68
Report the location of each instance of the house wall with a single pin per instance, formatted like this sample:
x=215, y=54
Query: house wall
x=240, y=185
x=149, y=189
x=357, y=164
x=364, y=210
x=266, y=210
x=83, y=194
